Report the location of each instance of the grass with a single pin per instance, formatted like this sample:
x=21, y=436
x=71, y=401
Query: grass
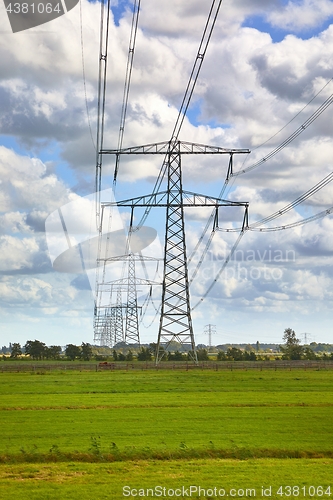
x=80, y=481
x=100, y=430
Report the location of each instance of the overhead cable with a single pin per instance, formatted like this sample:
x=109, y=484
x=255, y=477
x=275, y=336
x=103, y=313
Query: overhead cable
x=224, y=265
x=291, y=138
x=313, y=190
x=103, y=56
x=324, y=213
x=294, y=117
x=205, y=39
x=129, y=67
x=84, y=78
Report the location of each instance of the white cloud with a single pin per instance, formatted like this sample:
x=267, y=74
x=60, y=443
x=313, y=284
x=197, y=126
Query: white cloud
x=17, y=253
x=26, y=185
x=301, y=15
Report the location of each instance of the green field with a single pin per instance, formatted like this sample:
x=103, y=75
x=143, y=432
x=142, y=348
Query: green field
x=87, y=434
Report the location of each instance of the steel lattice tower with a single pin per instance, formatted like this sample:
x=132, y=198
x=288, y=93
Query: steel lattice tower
x=132, y=323
x=175, y=320
x=108, y=327
x=109, y=319
x=118, y=323
x=210, y=330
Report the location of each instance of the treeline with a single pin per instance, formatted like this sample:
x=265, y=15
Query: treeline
x=232, y=354
x=319, y=347
x=37, y=350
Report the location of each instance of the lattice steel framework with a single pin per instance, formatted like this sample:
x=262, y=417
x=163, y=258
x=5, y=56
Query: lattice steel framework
x=132, y=323
x=109, y=319
x=108, y=323
x=175, y=320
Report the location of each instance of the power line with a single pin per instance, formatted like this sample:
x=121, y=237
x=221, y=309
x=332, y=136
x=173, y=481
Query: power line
x=224, y=265
x=313, y=190
x=102, y=71
x=171, y=157
x=231, y=174
x=253, y=227
x=129, y=67
x=293, y=118
x=295, y=224
x=84, y=77
x=205, y=39
x=289, y=139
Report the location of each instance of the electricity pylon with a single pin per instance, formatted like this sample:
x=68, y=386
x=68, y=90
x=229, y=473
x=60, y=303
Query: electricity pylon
x=132, y=323
x=210, y=330
x=108, y=323
x=175, y=319
x=109, y=319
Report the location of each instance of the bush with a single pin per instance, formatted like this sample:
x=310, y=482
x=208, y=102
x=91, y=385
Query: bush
x=221, y=356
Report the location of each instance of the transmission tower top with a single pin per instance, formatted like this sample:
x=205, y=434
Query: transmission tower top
x=182, y=147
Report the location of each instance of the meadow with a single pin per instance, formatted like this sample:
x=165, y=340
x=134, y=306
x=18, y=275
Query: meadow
x=86, y=434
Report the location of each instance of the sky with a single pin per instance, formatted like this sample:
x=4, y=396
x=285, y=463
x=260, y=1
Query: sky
x=267, y=70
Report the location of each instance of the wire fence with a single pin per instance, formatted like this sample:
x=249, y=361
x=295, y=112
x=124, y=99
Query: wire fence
x=180, y=365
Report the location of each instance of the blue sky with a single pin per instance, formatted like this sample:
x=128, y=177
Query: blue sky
x=264, y=64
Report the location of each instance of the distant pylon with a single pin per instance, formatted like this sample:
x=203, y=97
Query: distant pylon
x=132, y=333
x=210, y=330
x=118, y=322
x=108, y=323
x=306, y=337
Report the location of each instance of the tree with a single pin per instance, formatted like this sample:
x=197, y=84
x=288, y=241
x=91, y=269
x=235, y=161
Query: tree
x=16, y=351
x=86, y=351
x=250, y=356
x=144, y=354
x=35, y=349
x=72, y=351
x=309, y=354
x=129, y=356
x=53, y=352
x=235, y=354
x=291, y=348
x=202, y=355
x=176, y=356
x=221, y=356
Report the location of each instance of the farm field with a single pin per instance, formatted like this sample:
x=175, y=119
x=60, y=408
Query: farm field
x=86, y=434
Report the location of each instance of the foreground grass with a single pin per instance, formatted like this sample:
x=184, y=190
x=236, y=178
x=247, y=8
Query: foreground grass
x=166, y=412
x=82, y=435
x=78, y=481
